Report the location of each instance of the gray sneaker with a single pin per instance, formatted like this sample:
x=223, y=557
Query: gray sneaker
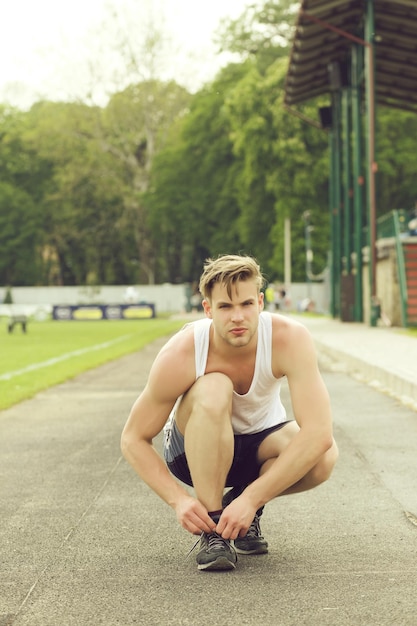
x=215, y=553
x=253, y=542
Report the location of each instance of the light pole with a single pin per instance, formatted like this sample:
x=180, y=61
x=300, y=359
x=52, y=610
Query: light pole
x=309, y=252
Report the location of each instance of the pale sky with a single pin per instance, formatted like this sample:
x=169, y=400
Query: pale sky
x=60, y=50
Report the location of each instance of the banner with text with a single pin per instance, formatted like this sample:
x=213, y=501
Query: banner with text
x=97, y=312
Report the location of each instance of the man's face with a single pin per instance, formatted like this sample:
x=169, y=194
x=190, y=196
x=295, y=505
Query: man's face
x=235, y=318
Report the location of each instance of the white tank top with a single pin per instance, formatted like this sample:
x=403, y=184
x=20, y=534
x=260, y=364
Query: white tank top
x=261, y=406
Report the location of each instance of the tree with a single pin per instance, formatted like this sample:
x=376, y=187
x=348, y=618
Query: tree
x=395, y=153
x=236, y=167
x=19, y=259
x=135, y=127
x=263, y=32
x=139, y=111
x=192, y=203
x=148, y=186
x=253, y=136
x=20, y=221
x=80, y=196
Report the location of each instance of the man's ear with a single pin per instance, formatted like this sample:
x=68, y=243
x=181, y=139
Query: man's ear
x=207, y=308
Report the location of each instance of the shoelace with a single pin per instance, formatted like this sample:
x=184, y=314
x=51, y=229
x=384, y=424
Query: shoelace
x=215, y=542
x=254, y=529
x=194, y=546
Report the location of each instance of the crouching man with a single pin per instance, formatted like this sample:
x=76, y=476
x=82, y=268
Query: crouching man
x=218, y=381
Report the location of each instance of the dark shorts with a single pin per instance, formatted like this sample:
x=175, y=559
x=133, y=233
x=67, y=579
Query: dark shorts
x=245, y=466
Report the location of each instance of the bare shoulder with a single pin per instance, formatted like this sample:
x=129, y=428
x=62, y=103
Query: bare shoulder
x=180, y=344
x=292, y=345
x=286, y=331
x=173, y=371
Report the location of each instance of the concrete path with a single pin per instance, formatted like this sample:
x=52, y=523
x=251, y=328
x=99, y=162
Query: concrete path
x=84, y=542
x=383, y=357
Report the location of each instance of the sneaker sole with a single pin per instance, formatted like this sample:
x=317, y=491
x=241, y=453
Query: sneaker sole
x=220, y=564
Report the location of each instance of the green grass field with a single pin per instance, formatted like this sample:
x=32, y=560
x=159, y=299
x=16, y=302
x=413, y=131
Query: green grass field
x=52, y=352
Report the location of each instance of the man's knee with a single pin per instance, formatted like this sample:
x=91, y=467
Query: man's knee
x=210, y=396
x=324, y=468
x=213, y=385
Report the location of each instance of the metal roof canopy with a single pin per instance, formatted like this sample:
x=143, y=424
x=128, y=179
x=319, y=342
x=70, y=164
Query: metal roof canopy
x=331, y=36
x=325, y=32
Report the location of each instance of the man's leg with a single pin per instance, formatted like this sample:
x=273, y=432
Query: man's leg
x=269, y=450
x=204, y=418
x=253, y=542
x=272, y=446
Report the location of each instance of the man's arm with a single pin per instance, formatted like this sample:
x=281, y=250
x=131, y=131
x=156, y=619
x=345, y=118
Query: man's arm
x=294, y=356
x=166, y=382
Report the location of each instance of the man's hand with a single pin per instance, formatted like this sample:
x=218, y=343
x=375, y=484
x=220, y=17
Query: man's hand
x=236, y=518
x=193, y=516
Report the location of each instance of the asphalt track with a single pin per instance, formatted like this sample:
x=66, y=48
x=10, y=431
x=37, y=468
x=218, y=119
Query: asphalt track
x=84, y=542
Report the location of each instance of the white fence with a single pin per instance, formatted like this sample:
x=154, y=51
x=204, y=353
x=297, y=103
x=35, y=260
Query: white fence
x=40, y=300
x=167, y=298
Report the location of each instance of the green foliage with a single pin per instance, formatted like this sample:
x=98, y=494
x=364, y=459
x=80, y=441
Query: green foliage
x=264, y=32
x=84, y=170
x=82, y=196
x=395, y=155
x=149, y=186
x=251, y=165
x=19, y=233
x=250, y=107
x=192, y=201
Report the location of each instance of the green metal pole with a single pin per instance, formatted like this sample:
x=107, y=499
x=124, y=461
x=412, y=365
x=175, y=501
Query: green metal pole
x=337, y=200
x=332, y=226
x=347, y=186
x=402, y=276
x=358, y=179
x=371, y=165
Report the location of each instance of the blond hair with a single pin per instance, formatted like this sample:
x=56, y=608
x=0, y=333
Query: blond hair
x=228, y=269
